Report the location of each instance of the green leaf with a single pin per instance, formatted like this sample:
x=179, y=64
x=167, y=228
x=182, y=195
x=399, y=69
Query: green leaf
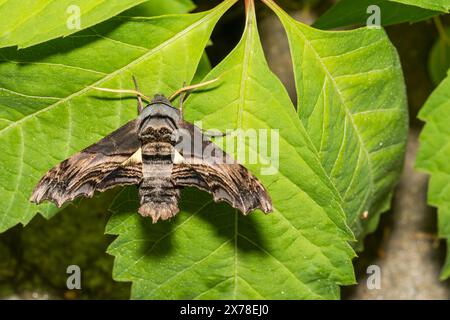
x=353, y=107
x=433, y=158
x=354, y=12
x=439, y=60
x=437, y=5
x=48, y=112
x=156, y=8
x=203, y=68
x=211, y=251
x=19, y=20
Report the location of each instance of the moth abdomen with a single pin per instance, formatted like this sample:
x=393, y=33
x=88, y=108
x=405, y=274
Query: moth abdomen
x=159, y=198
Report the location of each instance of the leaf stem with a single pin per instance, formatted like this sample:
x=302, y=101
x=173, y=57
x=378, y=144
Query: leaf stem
x=441, y=30
x=249, y=5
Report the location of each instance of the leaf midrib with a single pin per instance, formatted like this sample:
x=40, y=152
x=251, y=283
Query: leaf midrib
x=239, y=124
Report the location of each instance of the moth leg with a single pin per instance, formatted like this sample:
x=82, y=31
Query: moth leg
x=140, y=105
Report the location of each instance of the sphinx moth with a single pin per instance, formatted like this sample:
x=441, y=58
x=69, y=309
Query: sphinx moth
x=157, y=152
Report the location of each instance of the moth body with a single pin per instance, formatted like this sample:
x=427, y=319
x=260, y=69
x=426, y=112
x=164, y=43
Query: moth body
x=158, y=193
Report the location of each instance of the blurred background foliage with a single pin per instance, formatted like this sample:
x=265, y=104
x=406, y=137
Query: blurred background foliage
x=34, y=258
x=38, y=255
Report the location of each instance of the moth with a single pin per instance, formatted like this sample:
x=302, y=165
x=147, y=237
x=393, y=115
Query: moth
x=150, y=152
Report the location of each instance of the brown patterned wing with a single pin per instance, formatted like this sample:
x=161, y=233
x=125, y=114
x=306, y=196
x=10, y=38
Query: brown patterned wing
x=114, y=160
x=219, y=174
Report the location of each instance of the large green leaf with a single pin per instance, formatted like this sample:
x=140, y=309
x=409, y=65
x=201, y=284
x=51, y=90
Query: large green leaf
x=352, y=102
x=354, y=12
x=48, y=110
x=210, y=250
x=434, y=155
x=28, y=22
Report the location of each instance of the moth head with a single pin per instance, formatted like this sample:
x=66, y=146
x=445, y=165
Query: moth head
x=159, y=98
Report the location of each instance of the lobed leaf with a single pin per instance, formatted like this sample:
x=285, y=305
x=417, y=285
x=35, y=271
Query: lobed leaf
x=211, y=251
x=433, y=158
x=352, y=103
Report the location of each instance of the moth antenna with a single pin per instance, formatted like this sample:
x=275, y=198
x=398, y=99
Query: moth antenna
x=182, y=95
x=192, y=87
x=135, y=92
x=140, y=105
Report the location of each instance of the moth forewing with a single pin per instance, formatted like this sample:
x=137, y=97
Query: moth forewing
x=97, y=167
